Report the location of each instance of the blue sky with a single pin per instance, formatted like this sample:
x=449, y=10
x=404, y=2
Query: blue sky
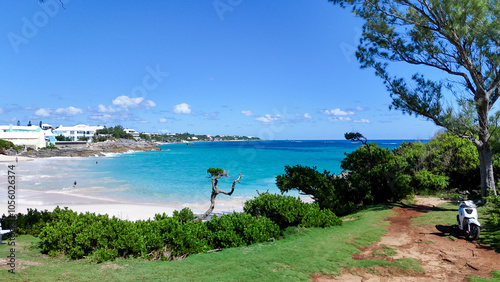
x=273, y=69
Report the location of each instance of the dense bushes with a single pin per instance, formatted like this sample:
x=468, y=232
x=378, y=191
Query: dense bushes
x=377, y=175
x=327, y=190
x=79, y=235
x=29, y=223
x=5, y=145
x=445, y=163
x=101, y=238
x=288, y=211
x=240, y=229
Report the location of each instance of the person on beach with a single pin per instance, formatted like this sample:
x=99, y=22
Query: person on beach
x=74, y=184
x=16, y=159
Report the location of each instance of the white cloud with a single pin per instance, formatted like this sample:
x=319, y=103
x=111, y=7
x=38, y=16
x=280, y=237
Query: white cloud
x=127, y=102
x=163, y=120
x=1, y=111
x=338, y=112
x=247, y=113
x=149, y=104
x=307, y=115
x=69, y=111
x=339, y=119
x=103, y=109
x=43, y=112
x=362, y=121
x=103, y=117
x=182, y=109
x=268, y=118
x=359, y=109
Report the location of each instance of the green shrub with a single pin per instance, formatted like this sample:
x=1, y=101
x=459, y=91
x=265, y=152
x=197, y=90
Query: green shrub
x=187, y=238
x=316, y=217
x=377, y=174
x=283, y=210
x=79, y=235
x=426, y=180
x=288, y=211
x=239, y=229
x=184, y=215
x=30, y=223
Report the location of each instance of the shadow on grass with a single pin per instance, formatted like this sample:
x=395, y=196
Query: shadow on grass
x=490, y=235
x=424, y=208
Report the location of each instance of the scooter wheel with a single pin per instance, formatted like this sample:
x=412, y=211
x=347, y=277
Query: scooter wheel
x=474, y=232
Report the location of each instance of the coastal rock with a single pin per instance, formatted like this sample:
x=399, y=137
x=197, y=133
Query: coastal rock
x=10, y=152
x=93, y=149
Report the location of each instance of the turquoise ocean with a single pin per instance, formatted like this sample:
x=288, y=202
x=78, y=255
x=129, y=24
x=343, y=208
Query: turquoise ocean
x=177, y=173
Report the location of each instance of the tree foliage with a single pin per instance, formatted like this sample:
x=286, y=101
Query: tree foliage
x=61, y=137
x=116, y=132
x=328, y=191
x=459, y=38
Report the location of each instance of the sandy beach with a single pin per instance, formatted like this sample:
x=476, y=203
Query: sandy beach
x=49, y=200
x=88, y=201
x=12, y=159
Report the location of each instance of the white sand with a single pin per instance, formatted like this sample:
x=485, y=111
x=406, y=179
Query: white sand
x=48, y=200
x=12, y=159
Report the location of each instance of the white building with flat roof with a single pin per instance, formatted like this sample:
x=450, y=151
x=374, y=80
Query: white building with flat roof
x=76, y=132
x=132, y=132
x=29, y=136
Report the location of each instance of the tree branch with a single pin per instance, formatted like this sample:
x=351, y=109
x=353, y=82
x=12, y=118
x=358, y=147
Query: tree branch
x=216, y=191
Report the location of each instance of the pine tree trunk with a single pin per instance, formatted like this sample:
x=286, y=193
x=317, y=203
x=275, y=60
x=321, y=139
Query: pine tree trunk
x=486, y=169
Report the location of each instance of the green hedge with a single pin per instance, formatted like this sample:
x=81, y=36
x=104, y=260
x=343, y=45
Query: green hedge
x=288, y=211
x=101, y=238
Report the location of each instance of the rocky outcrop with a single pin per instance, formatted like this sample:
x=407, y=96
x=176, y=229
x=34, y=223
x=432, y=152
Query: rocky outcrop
x=94, y=149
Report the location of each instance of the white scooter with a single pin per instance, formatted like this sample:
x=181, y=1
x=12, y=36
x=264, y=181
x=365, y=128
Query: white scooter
x=467, y=219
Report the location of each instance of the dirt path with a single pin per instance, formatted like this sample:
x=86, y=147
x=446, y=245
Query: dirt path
x=443, y=259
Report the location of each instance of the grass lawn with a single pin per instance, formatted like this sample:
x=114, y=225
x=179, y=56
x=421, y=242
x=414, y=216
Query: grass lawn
x=302, y=252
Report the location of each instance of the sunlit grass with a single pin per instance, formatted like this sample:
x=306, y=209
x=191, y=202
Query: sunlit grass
x=302, y=252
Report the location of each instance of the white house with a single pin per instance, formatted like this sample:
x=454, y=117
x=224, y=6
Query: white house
x=29, y=136
x=78, y=131
x=132, y=132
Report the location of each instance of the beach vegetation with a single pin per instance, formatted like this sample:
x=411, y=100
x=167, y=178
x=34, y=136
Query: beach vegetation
x=327, y=190
x=445, y=165
x=6, y=145
x=50, y=146
x=288, y=211
x=459, y=39
x=240, y=229
x=113, y=132
x=60, y=137
x=101, y=238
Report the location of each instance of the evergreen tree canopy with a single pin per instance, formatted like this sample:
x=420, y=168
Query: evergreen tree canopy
x=459, y=38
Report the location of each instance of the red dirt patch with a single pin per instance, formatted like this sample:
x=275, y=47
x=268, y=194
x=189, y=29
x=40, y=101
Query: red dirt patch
x=443, y=258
